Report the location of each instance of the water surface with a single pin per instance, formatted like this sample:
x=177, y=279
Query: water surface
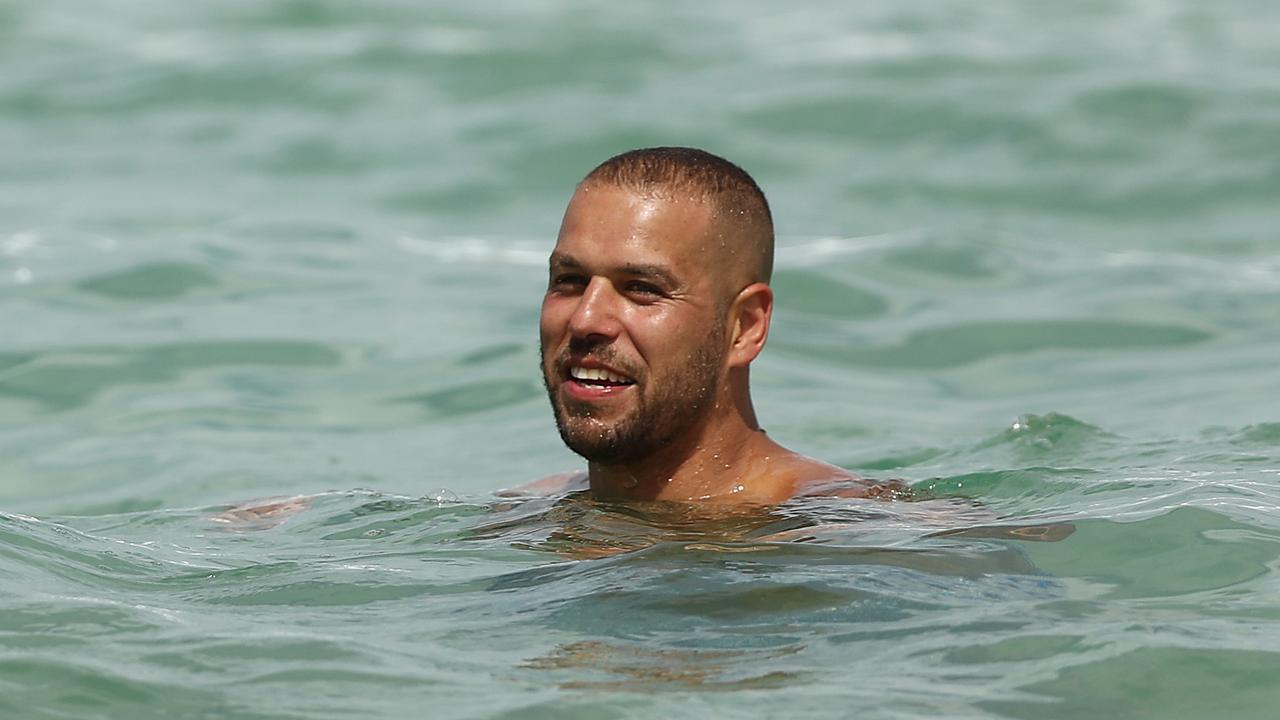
x=1028, y=264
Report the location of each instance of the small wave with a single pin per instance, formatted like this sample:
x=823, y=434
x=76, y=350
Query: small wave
x=1051, y=432
x=476, y=250
x=962, y=344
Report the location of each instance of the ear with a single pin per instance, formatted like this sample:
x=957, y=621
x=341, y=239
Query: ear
x=750, y=314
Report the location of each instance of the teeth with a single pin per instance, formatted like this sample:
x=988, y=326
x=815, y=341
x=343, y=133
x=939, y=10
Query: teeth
x=581, y=373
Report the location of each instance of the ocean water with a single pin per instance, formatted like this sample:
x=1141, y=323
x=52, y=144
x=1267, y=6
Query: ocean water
x=1028, y=263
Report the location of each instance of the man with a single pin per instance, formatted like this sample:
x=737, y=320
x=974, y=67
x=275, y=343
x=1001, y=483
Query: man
x=658, y=301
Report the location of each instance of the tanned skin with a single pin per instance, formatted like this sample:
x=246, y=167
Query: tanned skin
x=656, y=306
x=650, y=287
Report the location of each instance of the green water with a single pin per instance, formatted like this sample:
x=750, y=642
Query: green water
x=1028, y=263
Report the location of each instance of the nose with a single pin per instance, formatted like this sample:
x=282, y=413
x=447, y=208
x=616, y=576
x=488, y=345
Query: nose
x=596, y=315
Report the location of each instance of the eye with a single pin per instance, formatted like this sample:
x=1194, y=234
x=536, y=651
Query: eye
x=568, y=282
x=643, y=289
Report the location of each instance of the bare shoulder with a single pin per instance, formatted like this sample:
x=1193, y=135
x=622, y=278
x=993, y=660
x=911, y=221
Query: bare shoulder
x=552, y=485
x=967, y=518
x=814, y=478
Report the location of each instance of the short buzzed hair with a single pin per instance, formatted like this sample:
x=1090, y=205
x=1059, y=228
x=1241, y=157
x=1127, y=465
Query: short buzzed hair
x=738, y=200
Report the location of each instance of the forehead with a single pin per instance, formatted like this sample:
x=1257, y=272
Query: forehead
x=606, y=223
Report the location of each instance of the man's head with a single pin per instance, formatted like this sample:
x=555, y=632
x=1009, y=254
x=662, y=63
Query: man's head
x=657, y=302
x=744, y=232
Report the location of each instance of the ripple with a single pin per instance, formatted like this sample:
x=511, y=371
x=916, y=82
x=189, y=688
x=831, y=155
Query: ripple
x=1151, y=108
x=150, y=281
x=317, y=155
x=1175, y=682
x=486, y=354
x=49, y=555
x=899, y=459
x=12, y=360
x=1051, y=431
x=958, y=345
x=811, y=292
x=468, y=398
x=1181, y=551
x=97, y=683
x=636, y=666
x=957, y=262
x=69, y=378
x=1030, y=482
x=1267, y=434
x=874, y=119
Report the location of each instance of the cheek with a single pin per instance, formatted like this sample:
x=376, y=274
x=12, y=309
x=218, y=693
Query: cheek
x=666, y=335
x=552, y=321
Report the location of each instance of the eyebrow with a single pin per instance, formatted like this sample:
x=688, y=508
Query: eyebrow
x=638, y=270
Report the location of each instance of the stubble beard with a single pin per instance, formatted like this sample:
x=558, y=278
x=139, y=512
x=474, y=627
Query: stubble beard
x=671, y=409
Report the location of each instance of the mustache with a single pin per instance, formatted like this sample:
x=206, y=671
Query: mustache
x=600, y=352
x=585, y=346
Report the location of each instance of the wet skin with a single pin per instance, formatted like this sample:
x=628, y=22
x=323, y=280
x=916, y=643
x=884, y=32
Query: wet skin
x=651, y=291
x=624, y=298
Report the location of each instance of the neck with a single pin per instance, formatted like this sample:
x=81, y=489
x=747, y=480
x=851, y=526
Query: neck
x=715, y=461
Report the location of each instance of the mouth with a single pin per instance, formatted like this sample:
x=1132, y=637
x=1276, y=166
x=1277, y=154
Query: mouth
x=594, y=382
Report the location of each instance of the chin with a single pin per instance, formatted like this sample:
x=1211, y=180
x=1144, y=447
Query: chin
x=597, y=442
x=607, y=454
